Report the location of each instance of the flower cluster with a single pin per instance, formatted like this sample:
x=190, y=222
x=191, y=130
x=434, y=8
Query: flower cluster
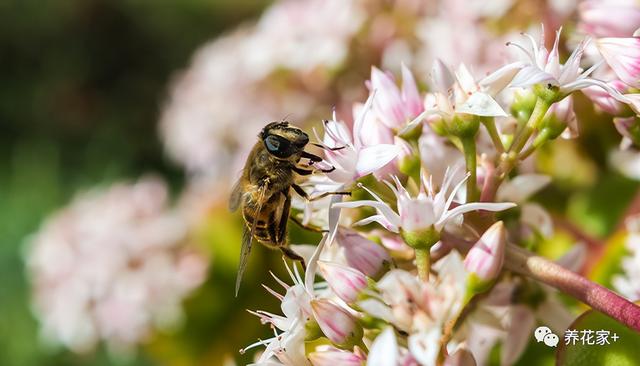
x=112, y=266
x=432, y=287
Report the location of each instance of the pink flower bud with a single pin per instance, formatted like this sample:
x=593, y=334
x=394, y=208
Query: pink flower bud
x=623, y=56
x=345, y=282
x=335, y=322
x=486, y=257
x=334, y=357
x=361, y=253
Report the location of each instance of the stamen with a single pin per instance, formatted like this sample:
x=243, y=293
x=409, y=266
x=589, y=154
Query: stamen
x=521, y=48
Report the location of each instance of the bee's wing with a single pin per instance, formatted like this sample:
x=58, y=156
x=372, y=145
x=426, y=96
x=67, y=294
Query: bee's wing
x=236, y=195
x=247, y=238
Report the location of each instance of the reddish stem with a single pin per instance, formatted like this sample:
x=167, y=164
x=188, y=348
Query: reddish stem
x=598, y=297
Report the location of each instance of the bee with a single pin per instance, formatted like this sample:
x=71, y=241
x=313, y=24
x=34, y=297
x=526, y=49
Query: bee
x=264, y=190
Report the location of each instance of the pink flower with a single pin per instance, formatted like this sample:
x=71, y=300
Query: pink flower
x=609, y=18
x=332, y=356
x=335, y=322
x=394, y=106
x=623, y=56
x=112, y=266
x=344, y=281
x=361, y=253
x=486, y=257
x=355, y=159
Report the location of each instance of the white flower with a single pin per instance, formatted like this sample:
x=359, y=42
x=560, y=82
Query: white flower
x=428, y=209
x=287, y=345
x=544, y=67
x=112, y=266
x=462, y=94
x=354, y=159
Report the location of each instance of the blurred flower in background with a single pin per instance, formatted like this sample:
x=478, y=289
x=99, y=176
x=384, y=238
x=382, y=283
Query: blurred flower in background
x=113, y=266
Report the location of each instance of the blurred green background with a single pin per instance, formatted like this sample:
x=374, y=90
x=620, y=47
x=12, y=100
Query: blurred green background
x=81, y=86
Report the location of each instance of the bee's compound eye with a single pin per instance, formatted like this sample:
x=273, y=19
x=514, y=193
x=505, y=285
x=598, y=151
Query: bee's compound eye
x=273, y=144
x=278, y=146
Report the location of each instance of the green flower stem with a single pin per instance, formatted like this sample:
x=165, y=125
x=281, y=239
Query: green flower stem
x=423, y=262
x=527, y=130
x=470, y=157
x=540, y=140
x=509, y=159
x=490, y=124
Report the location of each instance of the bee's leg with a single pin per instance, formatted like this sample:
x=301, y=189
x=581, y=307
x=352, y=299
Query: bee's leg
x=307, y=227
x=323, y=147
x=325, y=194
x=302, y=171
x=304, y=194
x=307, y=172
x=311, y=156
x=293, y=256
x=300, y=191
x=282, y=224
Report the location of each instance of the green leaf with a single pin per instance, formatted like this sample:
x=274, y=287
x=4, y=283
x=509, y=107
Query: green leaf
x=623, y=352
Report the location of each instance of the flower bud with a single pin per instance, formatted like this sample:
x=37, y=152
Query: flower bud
x=345, y=282
x=623, y=56
x=361, y=253
x=484, y=260
x=334, y=357
x=336, y=323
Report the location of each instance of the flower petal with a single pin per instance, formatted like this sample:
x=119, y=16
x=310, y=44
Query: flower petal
x=530, y=75
x=372, y=158
x=384, y=349
x=474, y=206
x=481, y=104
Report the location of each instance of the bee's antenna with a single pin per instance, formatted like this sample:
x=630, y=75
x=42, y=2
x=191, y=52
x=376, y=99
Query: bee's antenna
x=285, y=118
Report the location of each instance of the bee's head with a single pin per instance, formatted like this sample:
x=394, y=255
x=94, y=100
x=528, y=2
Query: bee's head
x=283, y=140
